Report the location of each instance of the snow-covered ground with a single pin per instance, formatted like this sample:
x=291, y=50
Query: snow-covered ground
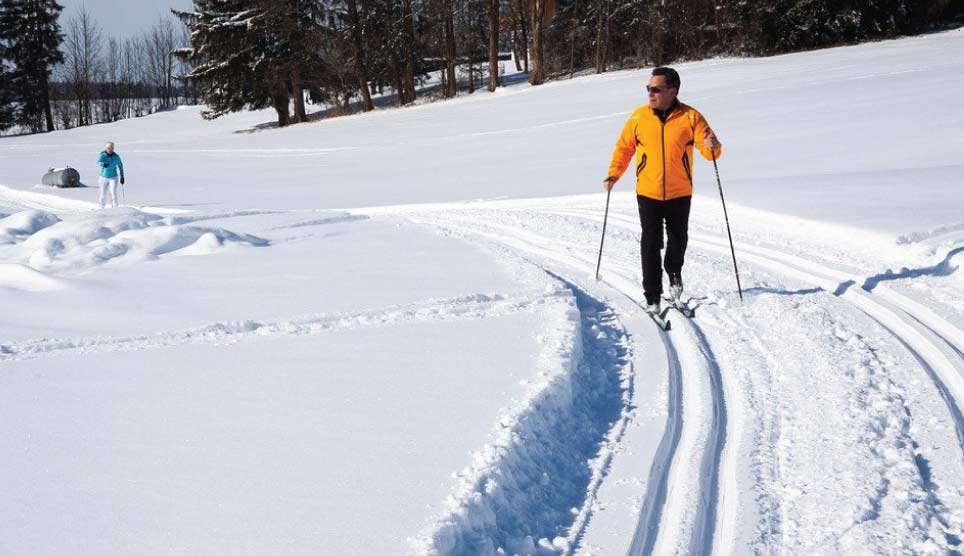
x=382, y=334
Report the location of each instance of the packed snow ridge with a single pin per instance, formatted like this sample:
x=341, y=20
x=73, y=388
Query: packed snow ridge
x=524, y=491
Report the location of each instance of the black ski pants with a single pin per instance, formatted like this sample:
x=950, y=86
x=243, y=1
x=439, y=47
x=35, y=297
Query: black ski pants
x=675, y=213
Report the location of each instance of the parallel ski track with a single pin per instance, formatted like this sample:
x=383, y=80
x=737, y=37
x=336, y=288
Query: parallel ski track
x=226, y=332
x=934, y=342
x=655, y=504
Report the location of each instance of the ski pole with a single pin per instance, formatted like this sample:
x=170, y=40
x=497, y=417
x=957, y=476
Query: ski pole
x=730, y=235
x=603, y=239
x=124, y=193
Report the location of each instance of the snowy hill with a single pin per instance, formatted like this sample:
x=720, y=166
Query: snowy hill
x=381, y=334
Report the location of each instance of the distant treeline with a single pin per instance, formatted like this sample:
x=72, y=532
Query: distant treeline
x=238, y=54
x=55, y=76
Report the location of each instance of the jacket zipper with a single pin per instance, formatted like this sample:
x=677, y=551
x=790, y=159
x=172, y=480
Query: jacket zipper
x=662, y=140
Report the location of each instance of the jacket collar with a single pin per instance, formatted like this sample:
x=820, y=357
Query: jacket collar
x=676, y=108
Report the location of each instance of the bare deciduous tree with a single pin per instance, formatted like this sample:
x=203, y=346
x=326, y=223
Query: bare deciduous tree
x=83, y=45
x=159, y=45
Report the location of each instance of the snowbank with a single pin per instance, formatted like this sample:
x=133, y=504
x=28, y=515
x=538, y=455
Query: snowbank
x=49, y=244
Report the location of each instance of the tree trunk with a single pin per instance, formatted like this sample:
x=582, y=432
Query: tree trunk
x=538, y=75
x=572, y=39
x=659, y=39
x=608, y=49
x=524, y=24
x=493, y=44
x=45, y=99
x=516, y=51
x=169, y=69
x=280, y=102
x=361, y=74
x=409, y=23
x=450, y=85
x=399, y=80
x=298, y=95
x=601, y=16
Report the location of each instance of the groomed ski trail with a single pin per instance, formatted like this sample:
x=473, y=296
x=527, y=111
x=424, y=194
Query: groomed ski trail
x=938, y=344
x=935, y=343
x=674, y=513
x=707, y=521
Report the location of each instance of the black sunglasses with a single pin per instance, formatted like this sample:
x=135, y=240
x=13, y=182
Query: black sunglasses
x=656, y=90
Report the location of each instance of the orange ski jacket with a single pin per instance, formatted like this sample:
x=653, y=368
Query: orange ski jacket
x=664, y=151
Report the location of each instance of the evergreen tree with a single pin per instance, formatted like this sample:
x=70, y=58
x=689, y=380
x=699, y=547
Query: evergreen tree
x=356, y=30
x=787, y=25
x=6, y=99
x=391, y=47
x=30, y=39
x=254, y=54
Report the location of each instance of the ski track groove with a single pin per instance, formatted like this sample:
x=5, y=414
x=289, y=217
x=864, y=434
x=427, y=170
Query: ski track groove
x=932, y=341
x=654, y=500
x=882, y=305
x=711, y=466
x=654, y=506
x=463, y=307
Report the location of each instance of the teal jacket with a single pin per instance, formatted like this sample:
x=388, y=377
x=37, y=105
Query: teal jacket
x=109, y=165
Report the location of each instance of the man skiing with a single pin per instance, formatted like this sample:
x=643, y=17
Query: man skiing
x=662, y=134
x=110, y=163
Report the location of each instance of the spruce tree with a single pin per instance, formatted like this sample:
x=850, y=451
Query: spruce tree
x=30, y=36
x=6, y=98
x=254, y=54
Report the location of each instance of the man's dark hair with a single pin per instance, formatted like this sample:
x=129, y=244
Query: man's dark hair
x=672, y=78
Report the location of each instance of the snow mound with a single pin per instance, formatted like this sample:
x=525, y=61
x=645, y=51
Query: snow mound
x=21, y=277
x=123, y=234
x=205, y=244
x=25, y=223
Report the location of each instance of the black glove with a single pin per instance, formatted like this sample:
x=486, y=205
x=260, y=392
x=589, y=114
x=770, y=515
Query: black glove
x=105, y=164
x=122, y=180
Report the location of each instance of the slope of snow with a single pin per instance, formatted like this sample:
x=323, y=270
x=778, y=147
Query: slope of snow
x=267, y=445
x=815, y=134
x=382, y=334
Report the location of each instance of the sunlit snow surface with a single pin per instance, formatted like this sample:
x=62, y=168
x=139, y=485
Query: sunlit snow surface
x=382, y=334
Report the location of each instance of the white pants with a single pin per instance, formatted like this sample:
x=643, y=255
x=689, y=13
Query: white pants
x=105, y=184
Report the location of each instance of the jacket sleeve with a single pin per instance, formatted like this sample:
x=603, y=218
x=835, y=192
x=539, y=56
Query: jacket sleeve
x=101, y=159
x=625, y=149
x=120, y=165
x=699, y=131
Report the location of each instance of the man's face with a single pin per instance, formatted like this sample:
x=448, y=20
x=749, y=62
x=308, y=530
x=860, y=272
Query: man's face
x=110, y=150
x=661, y=97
